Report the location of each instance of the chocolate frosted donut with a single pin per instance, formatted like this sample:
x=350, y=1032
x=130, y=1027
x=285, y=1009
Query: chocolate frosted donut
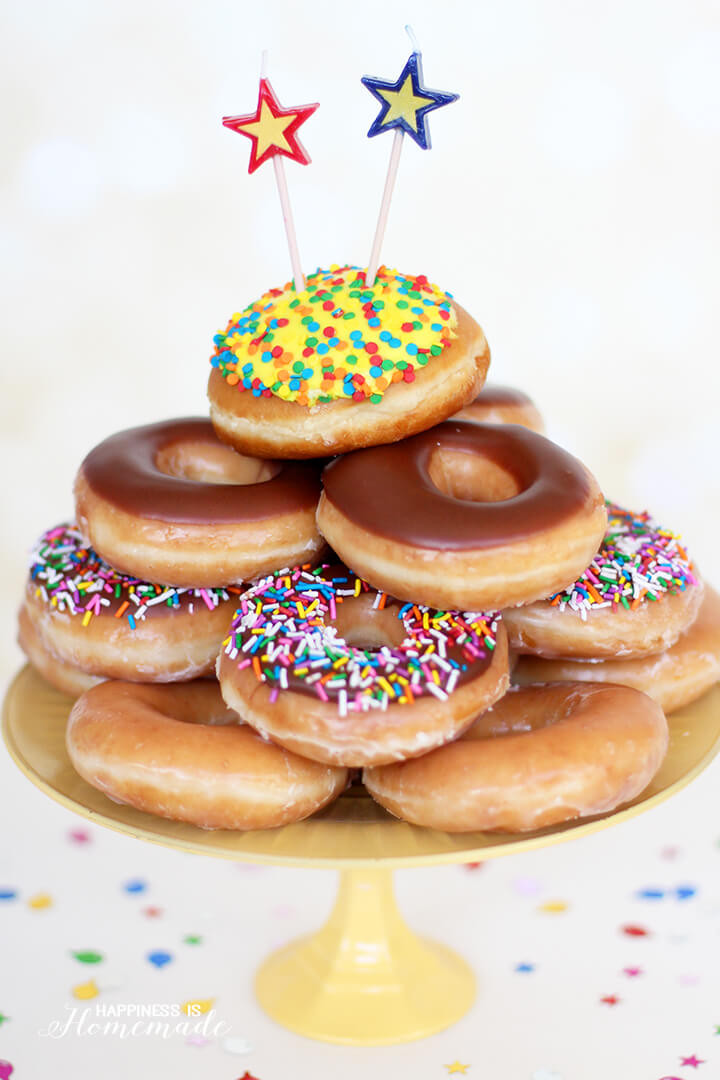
x=169, y=502
x=502, y=405
x=464, y=515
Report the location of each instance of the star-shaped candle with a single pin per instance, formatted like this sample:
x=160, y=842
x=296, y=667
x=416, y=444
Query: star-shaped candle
x=272, y=128
x=405, y=104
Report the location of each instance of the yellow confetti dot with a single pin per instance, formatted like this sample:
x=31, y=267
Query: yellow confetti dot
x=197, y=1007
x=85, y=991
x=40, y=901
x=553, y=907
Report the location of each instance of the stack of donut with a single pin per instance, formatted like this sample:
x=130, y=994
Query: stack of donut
x=350, y=542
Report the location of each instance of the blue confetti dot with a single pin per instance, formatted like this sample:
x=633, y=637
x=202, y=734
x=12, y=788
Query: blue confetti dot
x=524, y=968
x=314, y=326
x=373, y=322
x=334, y=341
x=322, y=348
x=7, y=894
x=135, y=886
x=650, y=894
x=159, y=959
x=411, y=349
x=684, y=892
x=395, y=343
x=385, y=335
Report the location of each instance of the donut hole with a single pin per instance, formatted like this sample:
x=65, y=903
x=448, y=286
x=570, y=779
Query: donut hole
x=213, y=464
x=364, y=627
x=470, y=477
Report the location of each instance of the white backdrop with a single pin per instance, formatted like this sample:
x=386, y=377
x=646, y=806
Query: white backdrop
x=569, y=202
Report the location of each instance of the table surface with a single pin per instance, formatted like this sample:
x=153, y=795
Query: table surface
x=603, y=948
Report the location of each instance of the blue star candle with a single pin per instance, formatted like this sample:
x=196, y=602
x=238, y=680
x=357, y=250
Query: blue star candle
x=404, y=107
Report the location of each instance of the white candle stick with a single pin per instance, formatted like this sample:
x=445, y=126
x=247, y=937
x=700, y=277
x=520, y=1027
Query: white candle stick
x=282, y=187
x=384, y=207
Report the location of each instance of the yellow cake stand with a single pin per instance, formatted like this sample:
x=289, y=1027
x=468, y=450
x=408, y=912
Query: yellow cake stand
x=365, y=978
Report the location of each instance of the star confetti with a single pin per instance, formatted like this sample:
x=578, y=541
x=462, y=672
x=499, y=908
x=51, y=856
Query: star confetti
x=406, y=102
x=272, y=128
x=456, y=1067
x=692, y=1061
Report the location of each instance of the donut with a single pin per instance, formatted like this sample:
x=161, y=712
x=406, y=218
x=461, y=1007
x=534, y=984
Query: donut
x=169, y=502
x=540, y=756
x=343, y=365
x=636, y=597
x=62, y=675
x=177, y=752
x=673, y=678
x=502, y=405
x=79, y=611
x=464, y=516
x=338, y=672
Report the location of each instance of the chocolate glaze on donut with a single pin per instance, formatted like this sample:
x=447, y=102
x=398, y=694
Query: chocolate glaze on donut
x=387, y=490
x=123, y=470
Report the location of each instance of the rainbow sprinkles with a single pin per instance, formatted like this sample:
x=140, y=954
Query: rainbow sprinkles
x=283, y=630
x=339, y=339
x=638, y=561
x=71, y=577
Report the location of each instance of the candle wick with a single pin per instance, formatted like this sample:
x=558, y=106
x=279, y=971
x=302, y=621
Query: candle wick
x=264, y=64
x=413, y=40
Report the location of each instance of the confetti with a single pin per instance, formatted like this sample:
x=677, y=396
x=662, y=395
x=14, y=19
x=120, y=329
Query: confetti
x=691, y=1061
x=4, y=1019
x=554, y=907
x=159, y=958
x=135, y=886
x=6, y=1070
x=192, y=939
x=152, y=912
x=284, y=623
x=523, y=968
x=610, y=999
x=79, y=836
x=40, y=901
x=638, y=561
x=88, y=957
x=85, y=991
x=633, y=930
x=197, y=1006
x=632, y=972
x=456, y=1067
x=236, y=1045
x=7, y=894
x=338, y=340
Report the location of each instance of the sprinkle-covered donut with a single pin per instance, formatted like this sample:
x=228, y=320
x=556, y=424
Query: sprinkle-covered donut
x=639, y=593
x=339, y=672
x=464, y=516
x=673, y=678
x=104, y=623
x=497, y=404
x=343, y=364
x=169, y=502
x=179, y=753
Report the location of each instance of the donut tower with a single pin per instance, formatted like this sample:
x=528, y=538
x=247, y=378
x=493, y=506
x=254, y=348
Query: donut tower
x=365, y=566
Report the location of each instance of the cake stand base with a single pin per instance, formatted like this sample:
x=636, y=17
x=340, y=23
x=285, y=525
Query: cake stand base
x=365, y=978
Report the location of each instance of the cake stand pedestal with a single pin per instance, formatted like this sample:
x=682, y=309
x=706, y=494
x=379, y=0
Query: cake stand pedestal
x=365, y=978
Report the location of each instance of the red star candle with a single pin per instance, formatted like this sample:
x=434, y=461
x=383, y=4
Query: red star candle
x=273, y=132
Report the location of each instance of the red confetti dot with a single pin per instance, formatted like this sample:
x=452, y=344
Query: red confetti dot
x=409, y=375
x=443, y=313
x=371, y=348
x=635, y=931
x=329, y=331
x=277, y=351
x=308, y=351
x=406, y=327
x=267, y=393
x=328, y=305
x=282, y=322
x=358, y=379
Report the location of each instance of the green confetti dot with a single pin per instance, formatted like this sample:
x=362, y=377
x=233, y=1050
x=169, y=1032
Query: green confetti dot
x=192, y=939
x=88, y=957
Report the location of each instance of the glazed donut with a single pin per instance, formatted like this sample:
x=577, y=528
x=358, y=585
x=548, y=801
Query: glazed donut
x=338, y=672
x=168, y=502
x=502, y=405
x=541, y=755
x=59, y=673
x=672, y=678
x=177, y=752
x=341, y=365
x=636, y=597
x=463, y=516
x=87, y=615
